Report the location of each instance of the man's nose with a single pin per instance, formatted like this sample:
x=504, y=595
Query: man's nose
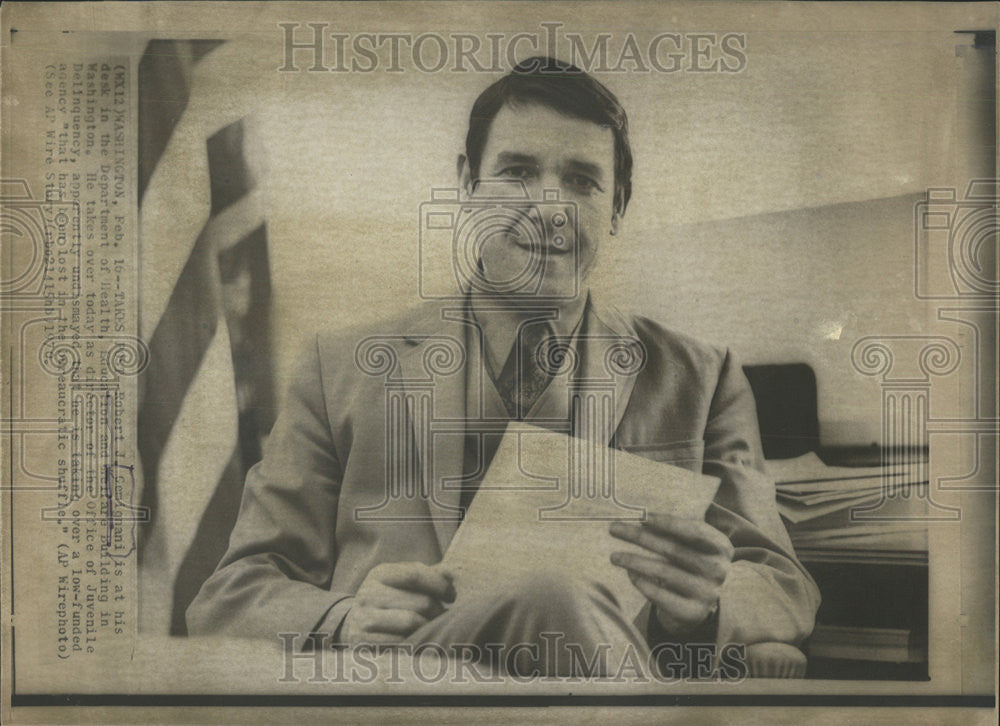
x=555, y=212
x=544, y=187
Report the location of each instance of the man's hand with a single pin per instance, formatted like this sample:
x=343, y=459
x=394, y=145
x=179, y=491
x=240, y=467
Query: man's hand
x=683, y=573
x=393, y=601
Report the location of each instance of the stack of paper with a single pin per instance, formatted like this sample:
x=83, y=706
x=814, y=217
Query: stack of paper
x=545, y=505
x=850, y=507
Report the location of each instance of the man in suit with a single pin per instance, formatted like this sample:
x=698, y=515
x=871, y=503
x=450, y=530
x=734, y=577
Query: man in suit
x=344, y=522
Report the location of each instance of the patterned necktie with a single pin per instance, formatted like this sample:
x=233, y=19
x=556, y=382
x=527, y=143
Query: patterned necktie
x=524, y=376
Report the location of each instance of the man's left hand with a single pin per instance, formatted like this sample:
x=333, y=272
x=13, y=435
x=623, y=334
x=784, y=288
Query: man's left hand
x=683, y=572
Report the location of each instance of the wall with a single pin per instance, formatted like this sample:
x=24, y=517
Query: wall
x=773, y=208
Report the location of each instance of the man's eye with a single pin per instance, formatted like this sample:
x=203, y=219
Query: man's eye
x=516, y=172
x=584, y=183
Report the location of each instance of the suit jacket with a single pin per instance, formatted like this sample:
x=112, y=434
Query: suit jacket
x=325, y=505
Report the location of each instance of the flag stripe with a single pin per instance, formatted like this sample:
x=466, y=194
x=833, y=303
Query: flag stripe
x=229, y=175
x=232, y=225
x=206, y=398
x=207, y=547
x=176, y=350
x=165, y=66
x=188, y=324
x=246, y=286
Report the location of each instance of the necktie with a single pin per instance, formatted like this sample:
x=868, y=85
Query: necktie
x=524, y=376
x=520, y=384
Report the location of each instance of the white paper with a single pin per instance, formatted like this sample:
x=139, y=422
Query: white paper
x=810, y=468
x=522, y=519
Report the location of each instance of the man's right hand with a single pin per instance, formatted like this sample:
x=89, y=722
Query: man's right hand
x=393, y=601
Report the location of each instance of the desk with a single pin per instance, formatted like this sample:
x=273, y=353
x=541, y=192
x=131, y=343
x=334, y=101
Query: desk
x=873, y=620
x=871, y=455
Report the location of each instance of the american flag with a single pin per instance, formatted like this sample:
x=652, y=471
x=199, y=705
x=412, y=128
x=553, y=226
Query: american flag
x=206, y=397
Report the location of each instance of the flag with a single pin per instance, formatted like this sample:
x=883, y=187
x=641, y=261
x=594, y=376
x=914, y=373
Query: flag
x=206, y=397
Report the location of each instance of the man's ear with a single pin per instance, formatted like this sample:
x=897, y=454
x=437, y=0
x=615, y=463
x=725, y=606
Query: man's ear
x=616, y=221
x=464, y=174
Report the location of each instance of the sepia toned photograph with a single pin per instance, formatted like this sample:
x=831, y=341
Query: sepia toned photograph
x=367, y=360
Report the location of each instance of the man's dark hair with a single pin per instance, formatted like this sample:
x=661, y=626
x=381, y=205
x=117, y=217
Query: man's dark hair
x=564, y=88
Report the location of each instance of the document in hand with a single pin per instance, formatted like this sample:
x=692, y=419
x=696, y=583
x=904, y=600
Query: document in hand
x=545, y=505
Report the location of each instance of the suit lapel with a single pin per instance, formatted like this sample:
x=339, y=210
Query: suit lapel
x=433, y=362
x=612, y=356
x=432, y=369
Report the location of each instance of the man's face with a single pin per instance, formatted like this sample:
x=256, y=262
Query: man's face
x=546, y=150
